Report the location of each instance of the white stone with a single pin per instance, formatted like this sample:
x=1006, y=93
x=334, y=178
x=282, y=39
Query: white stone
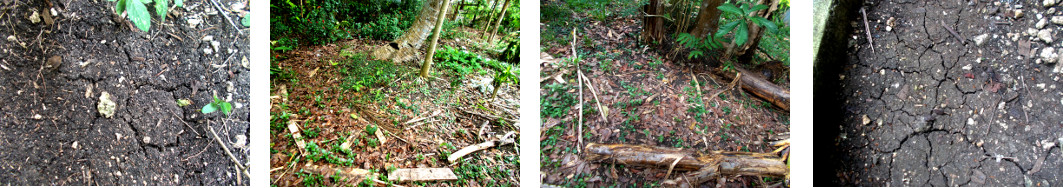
x=1045, y=35
x=1041, y=24
x=1048, y=3
x=980, y=39
x=1058, y=20
x=35, y=17
x=1048, y=55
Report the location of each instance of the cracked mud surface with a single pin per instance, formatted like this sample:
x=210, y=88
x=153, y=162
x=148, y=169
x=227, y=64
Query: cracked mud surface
x=923, y=109
x=53, y=133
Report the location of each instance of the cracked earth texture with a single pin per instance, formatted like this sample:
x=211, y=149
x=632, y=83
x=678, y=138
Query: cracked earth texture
x=52, y=133
x=923, y=109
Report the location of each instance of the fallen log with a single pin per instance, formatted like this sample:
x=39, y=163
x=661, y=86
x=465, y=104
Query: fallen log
x=761, y=88
x=706, y=166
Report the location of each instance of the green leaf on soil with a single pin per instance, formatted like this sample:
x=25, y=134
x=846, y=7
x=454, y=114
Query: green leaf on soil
x=138, y=14
x=160, y=9
x=120, y=7
x=247, y=20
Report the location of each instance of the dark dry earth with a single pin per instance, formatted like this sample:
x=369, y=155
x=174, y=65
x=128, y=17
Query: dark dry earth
x=52, y=131
x=923, y=109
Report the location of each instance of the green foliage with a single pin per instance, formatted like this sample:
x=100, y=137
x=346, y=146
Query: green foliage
x=324, y=21
x=316, y=153
x=556, y=101
x=370, y=129
x=246, y=21
x=697, y=46
x=137, y=11
x=512, y=51
x=506, y=76
x=218, y=104
x=740, y=25
x=463, y=63
x=311, y=180
x=361, y=73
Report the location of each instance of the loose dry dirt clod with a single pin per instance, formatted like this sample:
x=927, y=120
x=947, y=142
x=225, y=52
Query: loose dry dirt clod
x=106, y=106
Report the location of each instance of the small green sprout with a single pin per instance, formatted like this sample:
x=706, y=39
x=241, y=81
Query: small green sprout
x=183, y=102
x=225, y=107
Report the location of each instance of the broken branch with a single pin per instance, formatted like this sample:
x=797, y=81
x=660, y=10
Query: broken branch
x=707, y=166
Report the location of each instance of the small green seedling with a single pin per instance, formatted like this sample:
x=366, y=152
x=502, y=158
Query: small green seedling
x=137, y=11
x=225, y=107
x=246, y=20
x=503, y=77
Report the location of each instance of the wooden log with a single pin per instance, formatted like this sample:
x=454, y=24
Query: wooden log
x=707, y=165
x=762, y=88
x=422, y=174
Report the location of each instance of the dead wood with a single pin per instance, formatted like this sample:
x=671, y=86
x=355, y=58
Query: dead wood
x=761, y=88
x=422, y=174
x=351, y=174
x=499, y=140
x=705, y=166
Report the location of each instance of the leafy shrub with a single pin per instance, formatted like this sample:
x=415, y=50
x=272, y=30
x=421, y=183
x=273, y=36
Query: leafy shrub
x=324, y=21
x=740, y=26
x=360, y=73
x=697, y=46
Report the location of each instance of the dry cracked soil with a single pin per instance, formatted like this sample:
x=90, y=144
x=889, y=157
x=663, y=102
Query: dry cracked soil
x=52, y=131
x=975, y=106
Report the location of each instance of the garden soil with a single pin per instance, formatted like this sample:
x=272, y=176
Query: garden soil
x=954, y=93
x=53, y=133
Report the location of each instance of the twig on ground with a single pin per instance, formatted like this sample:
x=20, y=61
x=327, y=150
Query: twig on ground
x=953, y=32
x=508, y=138
x=239, y=165
x=226, y=15
x=867, y=29
x=738, y=76
x=186, y=123
x=579, y=75
x=415, y=120
x=602, y=111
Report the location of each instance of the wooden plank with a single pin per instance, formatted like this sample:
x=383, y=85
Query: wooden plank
x=422, y=174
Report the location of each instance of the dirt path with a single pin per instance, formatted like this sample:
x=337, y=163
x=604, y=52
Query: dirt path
x=924, y=109
x=53, y=133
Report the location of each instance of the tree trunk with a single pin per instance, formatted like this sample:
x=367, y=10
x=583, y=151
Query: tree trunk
x=501, y=17
x=708, y=18
x=654, y=25
x=407, y=45
x=474, y=17
x=427, y=66
x=489, y=19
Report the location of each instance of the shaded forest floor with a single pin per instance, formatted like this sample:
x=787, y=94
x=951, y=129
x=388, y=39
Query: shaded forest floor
x=646, y=99
x=319, y=90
